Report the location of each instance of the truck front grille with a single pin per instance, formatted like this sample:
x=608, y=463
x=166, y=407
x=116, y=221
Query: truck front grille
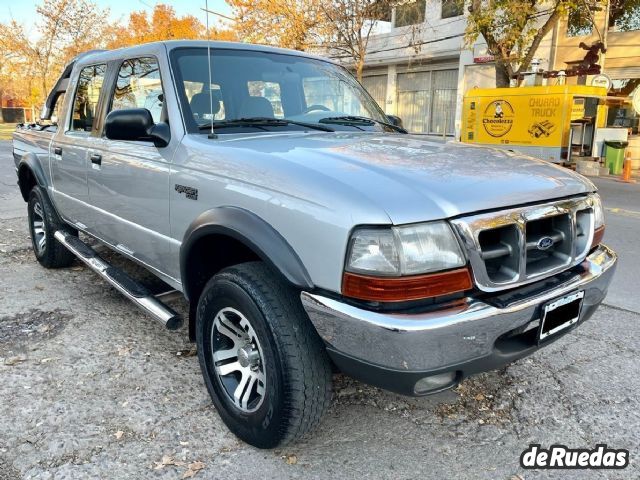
x=517, y=246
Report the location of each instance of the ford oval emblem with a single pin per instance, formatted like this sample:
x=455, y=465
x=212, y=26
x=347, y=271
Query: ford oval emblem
x=545, y=243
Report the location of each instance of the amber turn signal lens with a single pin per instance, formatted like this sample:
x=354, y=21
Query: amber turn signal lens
x=400, y=289
x=598, y=235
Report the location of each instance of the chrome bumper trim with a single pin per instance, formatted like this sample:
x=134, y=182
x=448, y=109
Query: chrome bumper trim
x=457, y=332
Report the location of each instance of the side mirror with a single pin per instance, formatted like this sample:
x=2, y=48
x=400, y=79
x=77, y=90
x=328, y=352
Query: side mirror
x=136, y=124
x=394, y=120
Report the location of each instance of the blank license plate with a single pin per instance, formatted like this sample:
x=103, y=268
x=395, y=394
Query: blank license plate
x=560, y=314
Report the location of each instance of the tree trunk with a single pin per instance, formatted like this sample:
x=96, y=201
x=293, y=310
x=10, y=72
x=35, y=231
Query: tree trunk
x=359, y=68
x=1, y=117
x=502, y=74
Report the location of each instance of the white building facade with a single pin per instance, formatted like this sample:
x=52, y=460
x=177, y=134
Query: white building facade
x=424, y=83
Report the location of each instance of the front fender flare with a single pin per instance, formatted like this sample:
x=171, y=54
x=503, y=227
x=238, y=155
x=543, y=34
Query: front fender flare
x=254, y=233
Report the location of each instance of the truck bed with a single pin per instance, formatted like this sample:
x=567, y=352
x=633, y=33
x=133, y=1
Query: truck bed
x=34, y=139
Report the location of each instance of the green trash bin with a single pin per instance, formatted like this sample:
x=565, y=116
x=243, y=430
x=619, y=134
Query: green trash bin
x=615, y=156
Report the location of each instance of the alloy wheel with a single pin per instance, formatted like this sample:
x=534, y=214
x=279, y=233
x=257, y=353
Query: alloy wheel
x=238, y=359
x=37, y=224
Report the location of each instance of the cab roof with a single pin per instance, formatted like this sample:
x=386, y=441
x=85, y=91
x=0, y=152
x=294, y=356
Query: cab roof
x=168, y=45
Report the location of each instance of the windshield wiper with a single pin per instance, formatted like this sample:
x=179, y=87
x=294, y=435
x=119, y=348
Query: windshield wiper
x=261, y=122
x=355, y=120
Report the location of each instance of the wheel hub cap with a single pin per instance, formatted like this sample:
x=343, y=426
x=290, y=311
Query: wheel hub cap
x=248, y=356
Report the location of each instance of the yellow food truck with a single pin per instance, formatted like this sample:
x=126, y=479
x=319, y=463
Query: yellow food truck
x=556, y=123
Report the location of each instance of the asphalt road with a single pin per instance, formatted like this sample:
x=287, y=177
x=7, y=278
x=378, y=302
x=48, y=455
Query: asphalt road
x=92, y=388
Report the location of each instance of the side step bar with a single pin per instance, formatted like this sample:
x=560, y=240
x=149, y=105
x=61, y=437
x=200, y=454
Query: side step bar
x=130, y=288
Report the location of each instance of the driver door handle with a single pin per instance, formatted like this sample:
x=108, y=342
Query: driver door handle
x=96, y=158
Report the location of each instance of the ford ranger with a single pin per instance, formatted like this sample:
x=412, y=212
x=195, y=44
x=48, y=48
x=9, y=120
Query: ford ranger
x=307, y=230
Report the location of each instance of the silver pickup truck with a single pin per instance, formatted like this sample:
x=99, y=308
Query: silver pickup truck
x=307, y=230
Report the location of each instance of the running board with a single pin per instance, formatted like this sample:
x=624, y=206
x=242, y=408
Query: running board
x=121, y=281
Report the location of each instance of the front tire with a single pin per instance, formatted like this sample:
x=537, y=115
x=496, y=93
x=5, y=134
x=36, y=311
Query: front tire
x=264, y=365
x=43, y=223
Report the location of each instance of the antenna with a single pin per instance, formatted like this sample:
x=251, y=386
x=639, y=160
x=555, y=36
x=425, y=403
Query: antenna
x=206, y=6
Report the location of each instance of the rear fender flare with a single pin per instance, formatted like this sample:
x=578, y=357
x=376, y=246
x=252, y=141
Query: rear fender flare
x=30, y=165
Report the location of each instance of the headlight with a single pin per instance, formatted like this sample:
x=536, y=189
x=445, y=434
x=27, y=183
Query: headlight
x=598, y=211
x=408, y=250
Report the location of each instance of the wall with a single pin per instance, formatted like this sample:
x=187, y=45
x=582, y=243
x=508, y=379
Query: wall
x=623, y=48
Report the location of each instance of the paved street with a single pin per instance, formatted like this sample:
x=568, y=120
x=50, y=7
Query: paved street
x=92, y=388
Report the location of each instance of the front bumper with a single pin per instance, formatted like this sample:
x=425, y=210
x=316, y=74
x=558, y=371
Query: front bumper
x=395, y=350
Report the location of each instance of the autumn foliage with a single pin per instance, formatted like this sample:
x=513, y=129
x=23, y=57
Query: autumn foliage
x=64, y=28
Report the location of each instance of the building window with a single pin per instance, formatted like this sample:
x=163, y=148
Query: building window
x=624, y=17
x=452, y=8
x=579, y=24
x=411, y=13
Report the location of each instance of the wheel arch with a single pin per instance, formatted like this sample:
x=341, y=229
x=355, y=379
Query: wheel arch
x=226, y=236
x=30, y=173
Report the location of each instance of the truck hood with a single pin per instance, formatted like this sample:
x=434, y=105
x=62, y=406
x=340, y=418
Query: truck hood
x=409, y=177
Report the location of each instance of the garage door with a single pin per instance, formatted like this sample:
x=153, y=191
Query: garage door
x=443, y=110
x=414, y=100
x=427, y=101
x=376, y=85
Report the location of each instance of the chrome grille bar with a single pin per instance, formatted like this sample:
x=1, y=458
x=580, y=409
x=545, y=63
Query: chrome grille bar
x=517, y=246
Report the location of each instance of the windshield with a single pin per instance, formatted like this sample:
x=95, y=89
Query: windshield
x=249, y=84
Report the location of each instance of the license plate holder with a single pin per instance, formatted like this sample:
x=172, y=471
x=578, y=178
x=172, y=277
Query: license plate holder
x=560, y=314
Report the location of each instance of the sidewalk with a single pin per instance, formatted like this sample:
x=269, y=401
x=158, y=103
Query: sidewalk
x=6, y=129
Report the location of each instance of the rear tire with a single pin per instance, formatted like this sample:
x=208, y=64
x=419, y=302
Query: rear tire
x=43, y=223
x=271, y=378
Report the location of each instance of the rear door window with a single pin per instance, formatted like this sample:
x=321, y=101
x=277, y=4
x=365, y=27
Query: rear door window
x=85, y=102
x=202, y=104
x=139, y=86
x=270, y=91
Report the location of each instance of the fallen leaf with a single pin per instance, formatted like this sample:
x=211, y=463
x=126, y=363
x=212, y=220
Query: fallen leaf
x=167, y=460
x=122, y=351
x=118, y=434
x=479, y=397
x=187, y=352
x=291, y=459
x=14, y=361
x=184, y=444
x=45, y=328
x=193, y=469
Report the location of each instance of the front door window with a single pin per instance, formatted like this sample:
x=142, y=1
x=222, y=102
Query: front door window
x=139, y=86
